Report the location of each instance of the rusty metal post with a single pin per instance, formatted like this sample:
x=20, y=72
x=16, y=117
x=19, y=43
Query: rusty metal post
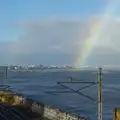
x=100, y=94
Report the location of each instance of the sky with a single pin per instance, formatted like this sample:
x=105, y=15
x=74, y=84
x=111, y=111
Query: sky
x=52, y=32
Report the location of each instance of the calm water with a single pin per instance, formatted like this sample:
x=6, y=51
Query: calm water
x=36, y=85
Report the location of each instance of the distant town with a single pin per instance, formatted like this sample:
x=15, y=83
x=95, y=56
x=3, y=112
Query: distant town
x=36, y=67
x=42, y=67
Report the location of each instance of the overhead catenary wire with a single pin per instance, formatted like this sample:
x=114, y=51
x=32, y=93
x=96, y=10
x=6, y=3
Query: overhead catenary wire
x=62, y=84
x=71, y=90
x=78, y=92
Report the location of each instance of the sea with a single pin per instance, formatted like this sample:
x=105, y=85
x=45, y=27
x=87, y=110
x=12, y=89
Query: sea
x=79, y=95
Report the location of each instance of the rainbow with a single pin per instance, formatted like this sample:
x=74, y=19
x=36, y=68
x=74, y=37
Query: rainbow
x=95, y=33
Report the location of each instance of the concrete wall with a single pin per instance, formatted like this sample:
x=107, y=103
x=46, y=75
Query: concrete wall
x=56, y=114
x=46, y=111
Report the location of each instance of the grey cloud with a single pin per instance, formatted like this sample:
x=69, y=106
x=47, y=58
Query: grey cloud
x=59, y=42
x=39, y=38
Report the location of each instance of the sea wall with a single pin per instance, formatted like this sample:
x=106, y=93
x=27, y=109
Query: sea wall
x=43, y=110
x=54, y=114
